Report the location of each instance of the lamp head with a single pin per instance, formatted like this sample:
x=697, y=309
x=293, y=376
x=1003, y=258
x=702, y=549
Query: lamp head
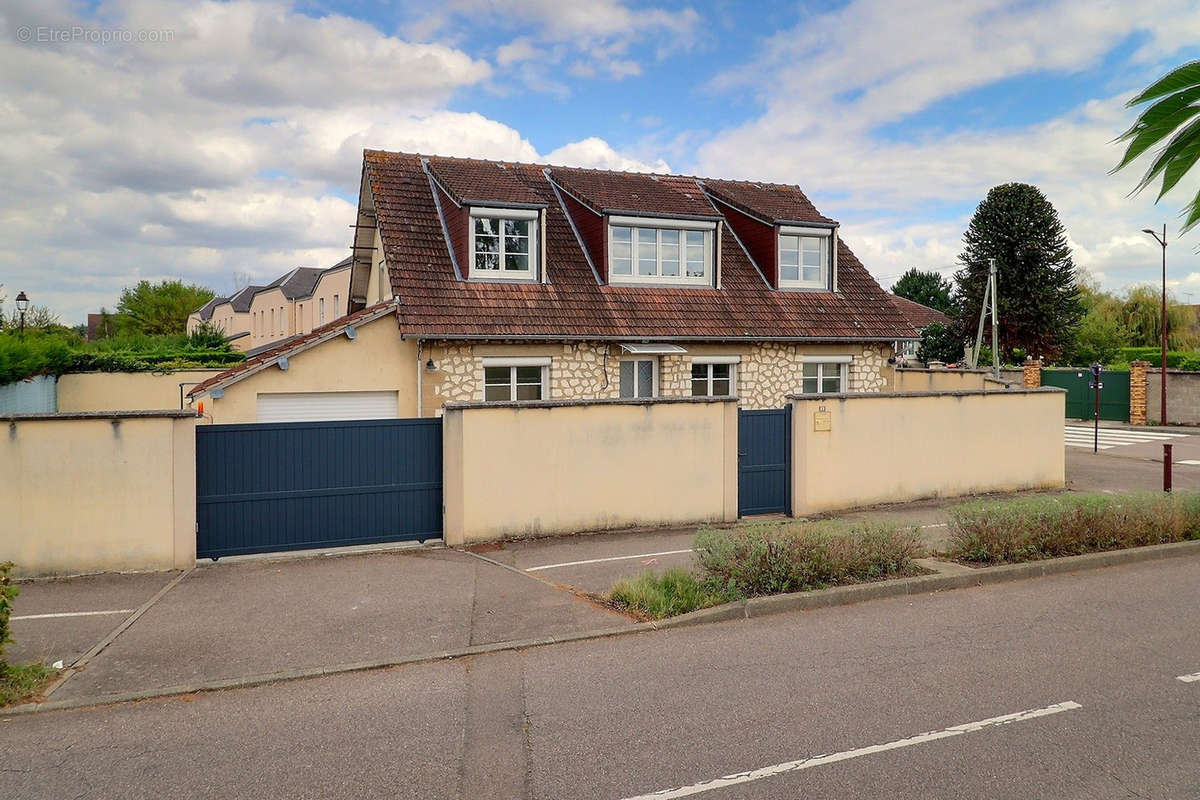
x=22, y=302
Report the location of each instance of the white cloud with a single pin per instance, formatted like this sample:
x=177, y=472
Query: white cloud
x=596, y=153
x=876, y=62
x=234, y=148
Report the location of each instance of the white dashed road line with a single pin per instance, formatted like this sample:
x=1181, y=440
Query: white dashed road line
x=75, y=614
x=1195, y=676
x=601, y=560
x=817, y=761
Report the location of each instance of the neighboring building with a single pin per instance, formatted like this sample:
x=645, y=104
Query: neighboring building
x=524, y=282
x=919, y=316
x=259, y=316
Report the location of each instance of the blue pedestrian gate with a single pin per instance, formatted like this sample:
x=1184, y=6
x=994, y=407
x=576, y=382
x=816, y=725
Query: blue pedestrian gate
x=295, y=485
x=764, y=461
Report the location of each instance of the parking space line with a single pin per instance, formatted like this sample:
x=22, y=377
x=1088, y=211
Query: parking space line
x=1195, y=676
x=816, y=761
x=61, y=614
x=602, y=560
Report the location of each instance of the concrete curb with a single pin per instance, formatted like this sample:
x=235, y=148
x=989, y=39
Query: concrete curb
x=742, y=609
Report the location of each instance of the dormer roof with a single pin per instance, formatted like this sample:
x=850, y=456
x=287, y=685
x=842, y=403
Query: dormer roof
x=773, y=203
x=472, y=182
x=635, y=193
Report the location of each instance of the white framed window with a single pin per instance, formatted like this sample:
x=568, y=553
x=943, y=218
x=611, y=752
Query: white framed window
x=282, y=323
x=714, y=377
x=321, y=309
x=504, y=244
x=823, y=377
x=639, y=377
x=660, y=251
x=515, y=379
x=336, y=306
x=805, y=258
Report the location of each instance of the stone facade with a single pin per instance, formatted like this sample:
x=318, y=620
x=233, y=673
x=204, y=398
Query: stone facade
x=766, y=373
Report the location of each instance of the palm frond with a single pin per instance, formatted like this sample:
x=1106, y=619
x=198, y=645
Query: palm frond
x=1175, y=80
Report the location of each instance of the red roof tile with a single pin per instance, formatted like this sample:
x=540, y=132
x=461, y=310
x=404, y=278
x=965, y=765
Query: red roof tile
x=919, y=315
x=473, y=182
x=573, y=304
x=770, y=201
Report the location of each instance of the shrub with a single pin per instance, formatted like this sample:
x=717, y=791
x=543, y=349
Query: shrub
x=8, y=593
x=770, y=559
x=665, y=594
x=1031, y=528
x=57, y=353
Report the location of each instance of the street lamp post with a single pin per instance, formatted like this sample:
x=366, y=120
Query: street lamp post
x=22, y=307
x=1163, y=381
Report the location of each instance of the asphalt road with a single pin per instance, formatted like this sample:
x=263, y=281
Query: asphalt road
x=1096, y=656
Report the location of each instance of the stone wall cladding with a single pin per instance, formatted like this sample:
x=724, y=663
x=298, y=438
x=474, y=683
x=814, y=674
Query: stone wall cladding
x=767, y=374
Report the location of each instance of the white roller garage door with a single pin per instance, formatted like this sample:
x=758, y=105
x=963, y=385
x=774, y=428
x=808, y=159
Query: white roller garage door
x=321, y=406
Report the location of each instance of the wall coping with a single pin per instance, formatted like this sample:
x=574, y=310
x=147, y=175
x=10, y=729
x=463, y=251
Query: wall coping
x=1171, y=371
x=945, y=370
x=600, y=401
x=165, y=413
x=946, y=393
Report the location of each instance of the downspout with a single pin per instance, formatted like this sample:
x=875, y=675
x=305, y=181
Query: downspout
x=420, y=391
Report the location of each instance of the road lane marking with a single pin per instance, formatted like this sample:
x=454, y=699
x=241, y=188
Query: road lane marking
x=1195, y=676
x=937, y=525
x=1147, y=435
x=601, y=560
x=75, y=614
x=1190, y=461
x=816, y=761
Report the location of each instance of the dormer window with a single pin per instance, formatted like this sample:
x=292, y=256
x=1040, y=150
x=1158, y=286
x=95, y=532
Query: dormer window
x=806, y=258
x=660, y=251
x=504, y=244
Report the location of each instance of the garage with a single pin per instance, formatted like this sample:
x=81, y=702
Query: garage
x=326, y=406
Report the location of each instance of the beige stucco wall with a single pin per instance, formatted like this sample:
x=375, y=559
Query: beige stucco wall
x=264, y=304
x=126, y=391
x=896, y=447
x=377, y=360
x=334, y=289
x=378, y=289
x=939, y=380
x=542, y=469
x=98, y=494
x=767, y=373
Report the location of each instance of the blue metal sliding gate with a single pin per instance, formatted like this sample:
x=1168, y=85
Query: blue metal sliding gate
x=764, y=461
x=289, y=486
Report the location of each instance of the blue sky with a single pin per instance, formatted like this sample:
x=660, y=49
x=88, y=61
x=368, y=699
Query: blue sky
x=231, y=150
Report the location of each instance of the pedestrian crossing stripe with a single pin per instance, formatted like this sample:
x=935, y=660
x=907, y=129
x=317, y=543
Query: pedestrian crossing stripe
x=1085, y=436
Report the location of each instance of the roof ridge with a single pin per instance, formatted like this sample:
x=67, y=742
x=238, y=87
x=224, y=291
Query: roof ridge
x=537, y=165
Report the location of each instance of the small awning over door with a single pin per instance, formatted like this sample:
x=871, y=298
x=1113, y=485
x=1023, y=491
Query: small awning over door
x=653, y=349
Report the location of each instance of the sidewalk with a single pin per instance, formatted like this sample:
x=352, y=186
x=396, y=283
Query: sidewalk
x=234, y=620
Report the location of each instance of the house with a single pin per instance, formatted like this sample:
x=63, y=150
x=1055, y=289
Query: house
x=919, y=316
x=294, y=303
x=503, y=281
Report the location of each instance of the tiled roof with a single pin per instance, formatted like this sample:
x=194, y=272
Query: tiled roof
x=242, y=299
x=292, y=344
x=300, y=282
x=613, y=192
x=919, y=315
x=770, y=201
x=206, y=311
x=573, y=304
x=471, y=181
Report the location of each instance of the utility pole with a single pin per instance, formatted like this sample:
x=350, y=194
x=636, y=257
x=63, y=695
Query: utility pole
x=1163, y=375
x=989, y=306
x=992, y=275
